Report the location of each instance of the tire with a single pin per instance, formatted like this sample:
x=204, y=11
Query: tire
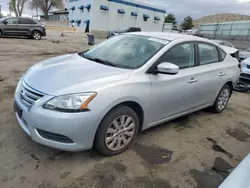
x=222, y=99
x=1, y=33
x=36, y=35
x=107, y=142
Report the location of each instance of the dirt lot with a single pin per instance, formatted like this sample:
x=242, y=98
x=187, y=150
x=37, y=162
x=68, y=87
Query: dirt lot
x=174, y=155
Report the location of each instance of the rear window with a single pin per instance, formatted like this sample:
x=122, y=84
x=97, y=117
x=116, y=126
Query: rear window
x=134, y=29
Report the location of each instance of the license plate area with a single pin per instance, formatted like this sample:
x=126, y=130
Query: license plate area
x=18, y=110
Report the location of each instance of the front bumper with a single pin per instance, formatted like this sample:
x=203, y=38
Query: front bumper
x=245, y=73
x=44, y=33
x=80, y=128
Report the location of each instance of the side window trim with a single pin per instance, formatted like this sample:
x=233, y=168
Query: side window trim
x=202, y=42
x=158, y=61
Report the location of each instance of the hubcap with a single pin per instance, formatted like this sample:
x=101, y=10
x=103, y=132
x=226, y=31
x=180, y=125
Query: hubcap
x=223, y=99
x=120, y=132
x=36, y=35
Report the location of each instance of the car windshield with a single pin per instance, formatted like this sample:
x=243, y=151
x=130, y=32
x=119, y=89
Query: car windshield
x=125, y=51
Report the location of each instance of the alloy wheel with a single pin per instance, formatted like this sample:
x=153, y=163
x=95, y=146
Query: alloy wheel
x=223, y=98
x=120, y=132
x=36, y=35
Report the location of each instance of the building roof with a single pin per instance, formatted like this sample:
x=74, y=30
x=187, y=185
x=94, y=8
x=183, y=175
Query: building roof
x=167, y=36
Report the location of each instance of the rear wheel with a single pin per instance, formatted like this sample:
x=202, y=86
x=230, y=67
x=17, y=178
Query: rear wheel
x=117, y=131
x=222, y=99
x=36, y=35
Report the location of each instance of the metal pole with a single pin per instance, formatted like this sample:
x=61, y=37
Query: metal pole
x=230, y=29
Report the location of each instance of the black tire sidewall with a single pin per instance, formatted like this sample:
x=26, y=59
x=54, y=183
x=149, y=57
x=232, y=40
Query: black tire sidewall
x=1, y=33
x=36, y=32
x=215, y=106
x=107, y=120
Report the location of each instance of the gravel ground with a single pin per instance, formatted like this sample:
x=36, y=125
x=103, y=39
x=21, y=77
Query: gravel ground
x=173, y=155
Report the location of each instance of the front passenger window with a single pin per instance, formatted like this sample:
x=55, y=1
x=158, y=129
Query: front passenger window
x=181, y=55
x=12, y=21
x=208, y=54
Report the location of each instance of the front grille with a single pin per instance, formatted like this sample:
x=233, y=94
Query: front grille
x=28, y=95
x=54, y=137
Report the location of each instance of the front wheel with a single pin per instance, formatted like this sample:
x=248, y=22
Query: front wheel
x=36, y=35
x=222, y=99
x=117, y=131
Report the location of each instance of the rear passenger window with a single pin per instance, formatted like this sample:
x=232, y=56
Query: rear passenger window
x=26, y=21
x=208, y=54
x=181, y=55
x=222, y=54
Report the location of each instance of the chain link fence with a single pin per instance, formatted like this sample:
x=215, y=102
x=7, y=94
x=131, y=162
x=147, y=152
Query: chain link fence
x=239, y=30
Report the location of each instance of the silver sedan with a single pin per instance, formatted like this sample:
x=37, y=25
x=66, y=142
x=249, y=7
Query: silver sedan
x=105, y=96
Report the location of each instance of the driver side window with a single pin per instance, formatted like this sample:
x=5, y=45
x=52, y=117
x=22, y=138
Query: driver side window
x=181, y=55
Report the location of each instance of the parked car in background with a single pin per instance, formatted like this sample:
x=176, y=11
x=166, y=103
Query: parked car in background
x=240, y=176
x=104, y=96
x=19, y=26
x=123, y=30
x=244, y=54
x=224, y=43
x=244, y=81
x=234, y=52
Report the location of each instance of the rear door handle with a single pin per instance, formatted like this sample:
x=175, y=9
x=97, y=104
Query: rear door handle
x=222, y=74
x=192, y=80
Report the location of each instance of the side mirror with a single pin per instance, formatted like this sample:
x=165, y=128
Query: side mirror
x=167, y=68
x=5, y=22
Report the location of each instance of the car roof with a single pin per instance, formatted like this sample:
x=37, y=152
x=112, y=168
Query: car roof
x=20, y=17
x=170, y=36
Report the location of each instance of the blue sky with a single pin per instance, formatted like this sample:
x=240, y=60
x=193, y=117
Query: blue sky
x=182, y=8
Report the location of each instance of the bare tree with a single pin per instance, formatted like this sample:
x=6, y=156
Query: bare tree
x=46, y=5
x=34, y=4
x=17, y=6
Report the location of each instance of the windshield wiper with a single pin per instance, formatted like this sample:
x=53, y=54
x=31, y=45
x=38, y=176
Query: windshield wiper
x=98, y=60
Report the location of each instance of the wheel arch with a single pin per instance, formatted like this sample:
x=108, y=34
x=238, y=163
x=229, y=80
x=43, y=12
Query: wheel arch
x=230, y=84
x=134, y=106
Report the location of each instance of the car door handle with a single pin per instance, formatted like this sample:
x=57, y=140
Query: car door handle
x=192, y=80
x=222, y=74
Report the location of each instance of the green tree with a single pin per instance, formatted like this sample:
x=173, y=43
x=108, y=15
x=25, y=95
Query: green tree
x=187, y=23
x=170, y=18
x=46, y=5
x=1, y=15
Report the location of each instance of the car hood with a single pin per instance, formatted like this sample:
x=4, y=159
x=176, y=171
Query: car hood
x=71, y=74
x=246, y=61
x=244, y=54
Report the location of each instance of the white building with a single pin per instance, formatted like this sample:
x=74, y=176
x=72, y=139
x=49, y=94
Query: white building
x=104, y=15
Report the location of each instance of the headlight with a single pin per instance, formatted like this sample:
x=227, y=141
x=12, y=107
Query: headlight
x=70, y=103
